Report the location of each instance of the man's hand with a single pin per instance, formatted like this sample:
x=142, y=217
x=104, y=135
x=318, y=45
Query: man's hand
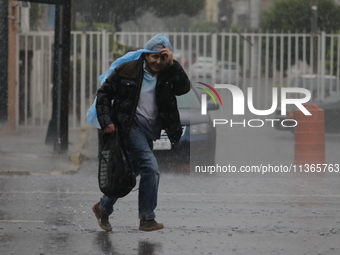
x=167, y=55
x=109, y=128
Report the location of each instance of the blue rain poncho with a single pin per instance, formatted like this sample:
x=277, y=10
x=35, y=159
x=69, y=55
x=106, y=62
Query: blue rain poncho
x=152, y=46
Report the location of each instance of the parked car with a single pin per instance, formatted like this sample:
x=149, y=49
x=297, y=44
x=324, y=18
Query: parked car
x=331, y=107
x=198, y=141
x=203, y=67
x=228, y=72
x=313, y=83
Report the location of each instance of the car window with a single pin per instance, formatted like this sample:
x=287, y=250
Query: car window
x=188, y=100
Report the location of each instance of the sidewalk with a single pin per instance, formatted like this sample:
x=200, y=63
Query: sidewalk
x=23, y=151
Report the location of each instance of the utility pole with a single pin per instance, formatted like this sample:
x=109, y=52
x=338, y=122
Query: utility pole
x=225, y=13
x=3, y=61
x=12, y=32
x=65, y=32
x=314, y=32
x=57, y=133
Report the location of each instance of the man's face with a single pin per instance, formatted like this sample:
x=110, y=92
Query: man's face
x=154, y=62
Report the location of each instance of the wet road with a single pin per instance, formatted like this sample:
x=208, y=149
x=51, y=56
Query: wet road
x=203, y=214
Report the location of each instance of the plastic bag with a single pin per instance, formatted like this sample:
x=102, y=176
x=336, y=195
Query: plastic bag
x=115, y=176
x=152, y=46
x=91, y=115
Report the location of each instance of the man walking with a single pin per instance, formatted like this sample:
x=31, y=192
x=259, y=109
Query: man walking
x=144, y=94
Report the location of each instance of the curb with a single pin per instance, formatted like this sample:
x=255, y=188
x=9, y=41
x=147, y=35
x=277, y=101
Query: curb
x=76, y=158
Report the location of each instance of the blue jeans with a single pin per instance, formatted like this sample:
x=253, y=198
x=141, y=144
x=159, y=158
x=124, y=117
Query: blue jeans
x=144, y=164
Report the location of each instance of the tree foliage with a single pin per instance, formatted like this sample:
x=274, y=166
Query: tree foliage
x=203, y=26
x=176, y=7
x=225, y=13
x=120, y=11
x=35, y=15
x=296, y=15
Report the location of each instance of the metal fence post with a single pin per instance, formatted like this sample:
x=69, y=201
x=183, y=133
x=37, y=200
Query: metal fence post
x=214, y=56
x=104, y=51
x=83, y=79
x=323, y=63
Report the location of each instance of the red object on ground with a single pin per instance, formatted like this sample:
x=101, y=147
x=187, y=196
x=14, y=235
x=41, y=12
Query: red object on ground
x=309, y=136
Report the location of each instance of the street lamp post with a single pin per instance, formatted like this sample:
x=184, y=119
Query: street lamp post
x=3, y=61
x=314, y=32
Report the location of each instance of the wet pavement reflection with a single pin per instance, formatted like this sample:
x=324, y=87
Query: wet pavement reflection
x=52, y=215
x=104, y=242
x=57, y=241
x=149, y=248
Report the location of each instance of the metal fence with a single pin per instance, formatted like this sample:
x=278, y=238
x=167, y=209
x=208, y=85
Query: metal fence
x=262, y=60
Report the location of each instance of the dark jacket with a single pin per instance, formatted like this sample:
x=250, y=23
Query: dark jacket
x=124, y=85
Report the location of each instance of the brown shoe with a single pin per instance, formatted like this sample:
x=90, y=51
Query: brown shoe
x=150, y=225
x=103, y=219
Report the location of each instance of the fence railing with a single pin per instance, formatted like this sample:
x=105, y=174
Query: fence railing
x=258, y=60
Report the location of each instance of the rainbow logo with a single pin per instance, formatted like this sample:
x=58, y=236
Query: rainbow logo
x=210, y=94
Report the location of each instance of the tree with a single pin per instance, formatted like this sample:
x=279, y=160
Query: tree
x=225, y=13
x=120, y=11
x=203, y=26
x=176, y=7
x=295, y=16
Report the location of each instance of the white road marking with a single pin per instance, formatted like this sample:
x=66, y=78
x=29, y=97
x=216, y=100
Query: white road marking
x=22, y=221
